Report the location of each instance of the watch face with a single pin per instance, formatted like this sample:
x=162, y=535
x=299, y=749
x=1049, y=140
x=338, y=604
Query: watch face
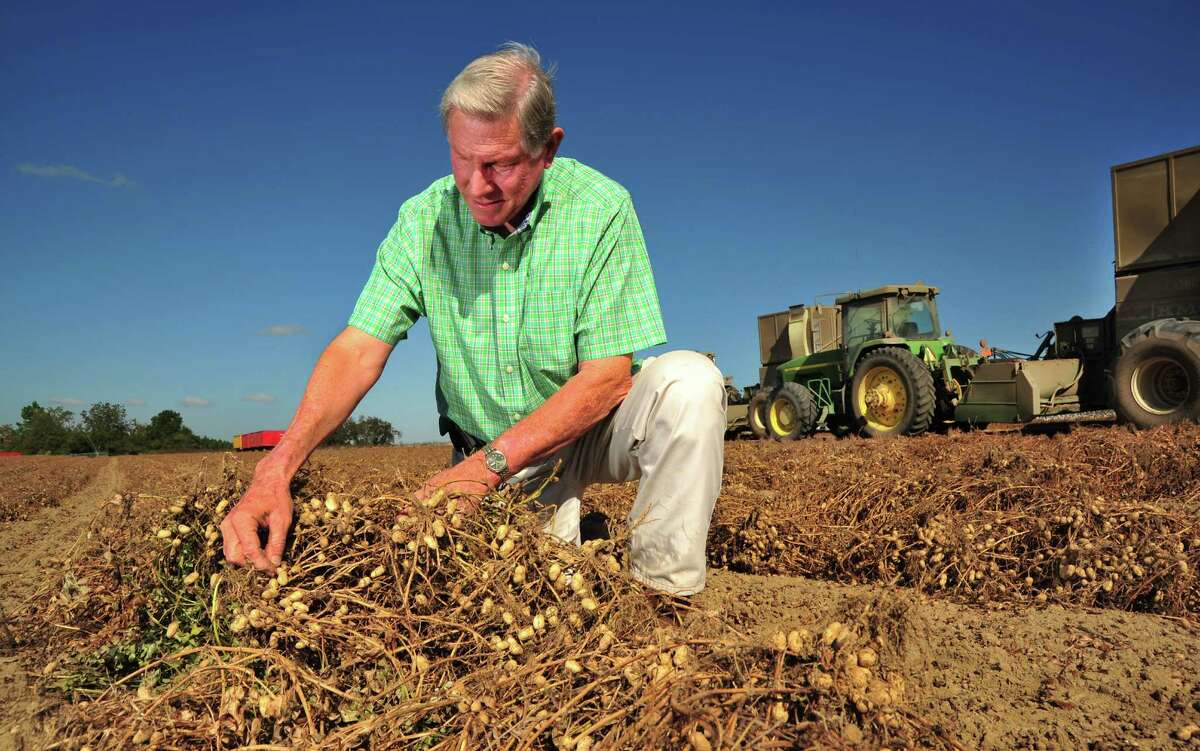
x=496, y=461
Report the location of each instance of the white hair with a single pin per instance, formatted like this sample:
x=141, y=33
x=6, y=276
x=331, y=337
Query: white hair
x=500, y=84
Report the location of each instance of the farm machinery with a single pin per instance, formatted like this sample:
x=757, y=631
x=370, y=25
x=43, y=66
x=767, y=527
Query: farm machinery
x=874, y=362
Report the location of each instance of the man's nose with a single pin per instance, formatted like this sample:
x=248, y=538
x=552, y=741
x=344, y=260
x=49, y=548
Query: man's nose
x=480, y=184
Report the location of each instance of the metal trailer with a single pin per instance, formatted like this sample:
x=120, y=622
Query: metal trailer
x=260, y=440
x=800, y=331
x=1156, y=232
x=1156, y=318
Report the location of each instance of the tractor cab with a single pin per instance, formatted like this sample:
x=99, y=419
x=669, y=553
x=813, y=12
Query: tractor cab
x=890, y=312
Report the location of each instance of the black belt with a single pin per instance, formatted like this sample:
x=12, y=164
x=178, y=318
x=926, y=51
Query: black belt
x=464, y=443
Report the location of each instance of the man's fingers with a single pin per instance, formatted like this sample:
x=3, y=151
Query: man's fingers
x=229, y=541
x=239, y=558
x=278, y=523
x=245, y=527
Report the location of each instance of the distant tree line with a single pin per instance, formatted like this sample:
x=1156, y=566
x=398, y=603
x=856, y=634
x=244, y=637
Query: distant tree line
x=363, y=431
x=104, y=428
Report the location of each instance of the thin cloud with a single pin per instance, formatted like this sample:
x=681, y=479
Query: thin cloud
x=66, y=401
x=195, y=401
x=262, y=398
x=136, y=402
x=283, y=329
x=72, y=172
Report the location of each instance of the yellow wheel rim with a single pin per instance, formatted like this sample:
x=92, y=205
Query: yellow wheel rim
x=882, y=398
x=783, y=416
x=755, y=417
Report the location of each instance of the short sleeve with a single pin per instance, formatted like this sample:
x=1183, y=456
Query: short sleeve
x=618, y=306
x=392, y=300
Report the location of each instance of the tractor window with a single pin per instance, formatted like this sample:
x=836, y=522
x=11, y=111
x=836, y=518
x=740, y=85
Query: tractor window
x=914, y=319
x=863, y=323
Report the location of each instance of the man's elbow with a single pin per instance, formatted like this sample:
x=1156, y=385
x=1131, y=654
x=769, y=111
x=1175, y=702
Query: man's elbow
x=622, y=388
x=615, y=386
x=363, y=351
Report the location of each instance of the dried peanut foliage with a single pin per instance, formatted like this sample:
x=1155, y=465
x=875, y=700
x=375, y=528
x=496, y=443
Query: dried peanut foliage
x=28, y=483
x=160, y=477
x=435, y=629
x=1099, y=517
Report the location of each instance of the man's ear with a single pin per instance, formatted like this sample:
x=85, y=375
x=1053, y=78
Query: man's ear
x=556, y=138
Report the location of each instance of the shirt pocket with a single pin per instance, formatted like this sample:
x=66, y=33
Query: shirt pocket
x=547, y=336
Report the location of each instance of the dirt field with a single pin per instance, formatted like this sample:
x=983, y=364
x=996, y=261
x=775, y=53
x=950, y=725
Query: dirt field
x=31, y=483
x=1025, y=591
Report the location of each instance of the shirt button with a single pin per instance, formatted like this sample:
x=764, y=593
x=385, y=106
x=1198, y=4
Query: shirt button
x=505, y=266
x=508, y=369
x=516, y=415
x=504, y=318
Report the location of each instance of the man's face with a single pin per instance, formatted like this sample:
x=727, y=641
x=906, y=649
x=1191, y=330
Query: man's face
x=491, y=168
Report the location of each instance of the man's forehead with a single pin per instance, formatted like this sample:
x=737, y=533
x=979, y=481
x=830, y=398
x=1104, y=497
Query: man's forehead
x=467, y=130
x=489, y=150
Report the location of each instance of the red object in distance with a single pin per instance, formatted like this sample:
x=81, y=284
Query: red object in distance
x=262, y=439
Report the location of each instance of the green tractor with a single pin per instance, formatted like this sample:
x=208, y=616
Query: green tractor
x=876, y=362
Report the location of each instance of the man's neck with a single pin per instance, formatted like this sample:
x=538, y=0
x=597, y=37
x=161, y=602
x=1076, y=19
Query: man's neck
x=511, y=225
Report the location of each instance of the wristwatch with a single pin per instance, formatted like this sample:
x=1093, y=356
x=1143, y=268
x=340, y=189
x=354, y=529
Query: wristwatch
x=496, y=460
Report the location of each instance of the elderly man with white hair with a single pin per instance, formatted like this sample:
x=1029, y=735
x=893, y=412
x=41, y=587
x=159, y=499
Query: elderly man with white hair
x=533, y=274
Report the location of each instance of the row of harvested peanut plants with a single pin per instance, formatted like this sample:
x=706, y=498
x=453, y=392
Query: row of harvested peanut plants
x=1098, y=518
x=431, y=628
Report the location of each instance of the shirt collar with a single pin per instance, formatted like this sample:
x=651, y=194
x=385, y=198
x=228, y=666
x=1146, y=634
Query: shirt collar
x=535, y=211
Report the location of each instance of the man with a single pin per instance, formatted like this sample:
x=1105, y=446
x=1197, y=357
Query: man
x=534, y=276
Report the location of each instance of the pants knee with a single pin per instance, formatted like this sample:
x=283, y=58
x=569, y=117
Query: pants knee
x=692, y=372
x=690, y=384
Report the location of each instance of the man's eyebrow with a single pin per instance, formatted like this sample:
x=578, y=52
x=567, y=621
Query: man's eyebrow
x=494, y=158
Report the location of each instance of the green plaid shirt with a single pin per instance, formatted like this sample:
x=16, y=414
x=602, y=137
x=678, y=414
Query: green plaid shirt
x=512, y=318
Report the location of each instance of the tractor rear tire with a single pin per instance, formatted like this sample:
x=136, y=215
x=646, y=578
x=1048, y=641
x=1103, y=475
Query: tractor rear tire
x=892, y=393
x=791, y=413
x=756, y=413
x=1157, y=380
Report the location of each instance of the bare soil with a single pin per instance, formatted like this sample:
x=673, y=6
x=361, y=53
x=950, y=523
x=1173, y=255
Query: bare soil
x=1036, y=678
x=28, y=483
x=30, y=549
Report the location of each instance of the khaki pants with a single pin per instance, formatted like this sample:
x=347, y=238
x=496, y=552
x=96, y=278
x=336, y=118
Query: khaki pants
x=669, y=434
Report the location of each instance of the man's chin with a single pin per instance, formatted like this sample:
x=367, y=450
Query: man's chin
x=489, y=218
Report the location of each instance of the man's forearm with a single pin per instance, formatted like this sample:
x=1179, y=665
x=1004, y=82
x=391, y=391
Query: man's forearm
x=345, y=372
x=583, y=401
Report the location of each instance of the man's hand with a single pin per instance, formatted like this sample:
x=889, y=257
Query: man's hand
x=348, y=367
x=469, y=477
x=266, y=504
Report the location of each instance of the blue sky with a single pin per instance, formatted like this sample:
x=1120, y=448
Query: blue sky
x=191, y=199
